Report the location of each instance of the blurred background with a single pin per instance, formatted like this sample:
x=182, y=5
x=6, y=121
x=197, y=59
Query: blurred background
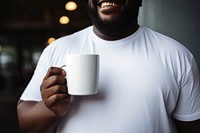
x=27, y=27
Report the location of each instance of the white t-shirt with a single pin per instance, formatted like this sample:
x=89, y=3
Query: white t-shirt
x=145, y=80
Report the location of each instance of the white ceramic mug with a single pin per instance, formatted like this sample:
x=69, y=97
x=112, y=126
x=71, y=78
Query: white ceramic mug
x=82, y=74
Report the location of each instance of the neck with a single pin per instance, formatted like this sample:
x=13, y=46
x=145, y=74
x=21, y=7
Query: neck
x=122, y=34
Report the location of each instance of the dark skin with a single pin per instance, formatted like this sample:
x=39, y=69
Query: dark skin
x=55, y=101
x=54, y=104
x=188, y=127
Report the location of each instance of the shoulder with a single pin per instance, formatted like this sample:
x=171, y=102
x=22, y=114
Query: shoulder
x=73, y=37
x=77, y=35
x=66, y=42
x=55, y=52
x=164, y=43
x=158, y=37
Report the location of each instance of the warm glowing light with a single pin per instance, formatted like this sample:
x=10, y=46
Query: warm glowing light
x=64, y=20
x=71, y=6
x=50, y=40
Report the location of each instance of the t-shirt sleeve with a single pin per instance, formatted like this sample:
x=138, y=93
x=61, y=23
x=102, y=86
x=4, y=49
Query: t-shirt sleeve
x=188, y=105
x=32, y=91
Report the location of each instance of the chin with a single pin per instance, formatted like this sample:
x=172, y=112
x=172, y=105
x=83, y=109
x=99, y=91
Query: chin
x=115, y=26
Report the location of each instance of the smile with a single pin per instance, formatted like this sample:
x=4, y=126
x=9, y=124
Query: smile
x=104, y=4
x=109, y=9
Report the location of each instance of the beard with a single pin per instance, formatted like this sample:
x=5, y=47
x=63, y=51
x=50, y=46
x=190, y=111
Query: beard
x=123, y=22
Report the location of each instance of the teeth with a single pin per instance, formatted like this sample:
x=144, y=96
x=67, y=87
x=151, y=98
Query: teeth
x=108, y=4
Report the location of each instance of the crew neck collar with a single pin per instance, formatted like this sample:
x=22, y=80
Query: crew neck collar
x=110, y=42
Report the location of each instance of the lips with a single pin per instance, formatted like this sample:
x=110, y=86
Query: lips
x=108, y=10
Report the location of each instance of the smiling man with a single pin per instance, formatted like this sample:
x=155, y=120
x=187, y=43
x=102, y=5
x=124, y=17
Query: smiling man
x=149, y=83
x=115, y=19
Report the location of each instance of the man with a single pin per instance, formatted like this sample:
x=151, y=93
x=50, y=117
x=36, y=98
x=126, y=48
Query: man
x=146, y=80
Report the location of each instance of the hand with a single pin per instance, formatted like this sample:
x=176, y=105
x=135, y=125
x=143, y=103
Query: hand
x=54, y=91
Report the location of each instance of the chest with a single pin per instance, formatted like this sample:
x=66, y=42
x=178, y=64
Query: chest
x=138, y=78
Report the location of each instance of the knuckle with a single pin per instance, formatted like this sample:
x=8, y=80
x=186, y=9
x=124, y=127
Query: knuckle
x=56, y=88
x=54, y=99
x=50, y=102
x=60, y=89
x=58, y=80
x=55, y=78
x=50, y=69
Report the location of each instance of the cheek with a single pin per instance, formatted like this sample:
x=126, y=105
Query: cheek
x=91, y=3
x=91, y=6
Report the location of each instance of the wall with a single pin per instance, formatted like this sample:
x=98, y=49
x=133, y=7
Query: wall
x=178, y=19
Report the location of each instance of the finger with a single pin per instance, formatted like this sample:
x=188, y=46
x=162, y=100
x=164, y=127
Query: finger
x=56, y=99
x=51, y=82
x=55, y=80
x=55, y=71
x=57, y=89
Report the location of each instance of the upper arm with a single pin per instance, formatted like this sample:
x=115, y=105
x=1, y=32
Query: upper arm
x=188, y=101
x=188, y=127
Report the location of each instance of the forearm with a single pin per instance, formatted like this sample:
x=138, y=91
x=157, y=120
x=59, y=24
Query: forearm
x=35, y=117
